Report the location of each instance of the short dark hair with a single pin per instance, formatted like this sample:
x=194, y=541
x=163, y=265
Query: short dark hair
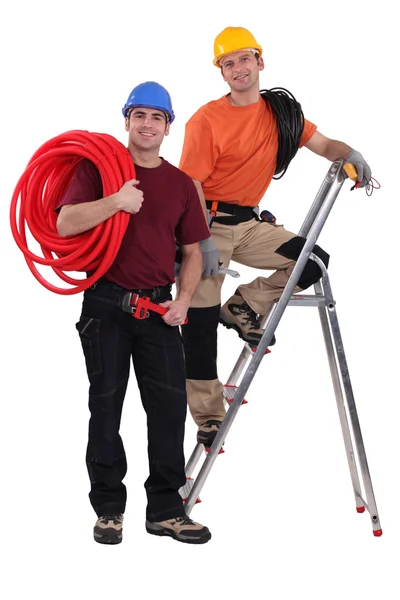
x=167, y=117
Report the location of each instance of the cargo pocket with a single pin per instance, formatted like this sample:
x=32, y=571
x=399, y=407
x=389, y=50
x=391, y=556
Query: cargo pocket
x=89, y=329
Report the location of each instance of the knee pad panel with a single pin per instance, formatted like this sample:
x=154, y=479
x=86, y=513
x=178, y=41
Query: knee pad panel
x=311, y=272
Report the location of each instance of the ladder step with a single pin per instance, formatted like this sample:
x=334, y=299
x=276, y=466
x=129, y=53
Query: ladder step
x=186, y=489
x=230, y=393
x=307, y=300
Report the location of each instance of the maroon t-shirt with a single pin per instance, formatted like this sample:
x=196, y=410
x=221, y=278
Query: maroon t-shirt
x=171, y=209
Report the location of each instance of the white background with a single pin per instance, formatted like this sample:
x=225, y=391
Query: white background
x=279, y=502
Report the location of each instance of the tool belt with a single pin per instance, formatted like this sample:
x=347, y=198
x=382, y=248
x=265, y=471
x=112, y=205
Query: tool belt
x=239, y=214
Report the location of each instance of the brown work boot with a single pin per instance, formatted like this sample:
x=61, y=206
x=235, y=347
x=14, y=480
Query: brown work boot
x=108, y=529
x=236, y=314
x=181, y=529
x=207, y=432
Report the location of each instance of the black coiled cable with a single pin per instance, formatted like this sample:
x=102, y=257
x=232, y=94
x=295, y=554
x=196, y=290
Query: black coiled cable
x=290, y=122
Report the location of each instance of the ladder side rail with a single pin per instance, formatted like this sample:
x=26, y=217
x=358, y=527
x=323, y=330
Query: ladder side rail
x=351, y=405
x=337, y=386
x=240, y=365
x=194, y=459
x=316, y=206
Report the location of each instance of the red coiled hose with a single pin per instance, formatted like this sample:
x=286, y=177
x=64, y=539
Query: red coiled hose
x=41, y=186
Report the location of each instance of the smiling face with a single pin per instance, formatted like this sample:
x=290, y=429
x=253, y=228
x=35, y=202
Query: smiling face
x=147, y=128
x=241, y=70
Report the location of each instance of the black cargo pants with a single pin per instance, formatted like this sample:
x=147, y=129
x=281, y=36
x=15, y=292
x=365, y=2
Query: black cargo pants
x=110, y=338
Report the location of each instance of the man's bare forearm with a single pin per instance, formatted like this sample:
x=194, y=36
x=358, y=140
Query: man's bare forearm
x=77, y=218
x=189, y=274
x=336, y=149
x=328, y=148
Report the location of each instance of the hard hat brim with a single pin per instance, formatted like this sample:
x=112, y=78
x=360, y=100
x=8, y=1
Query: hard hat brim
x=170, y=117
x=218, y=58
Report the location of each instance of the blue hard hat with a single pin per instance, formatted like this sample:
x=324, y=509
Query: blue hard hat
x=150, y=95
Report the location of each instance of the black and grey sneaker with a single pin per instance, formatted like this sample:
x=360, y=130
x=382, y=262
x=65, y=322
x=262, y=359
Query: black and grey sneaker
x=207, y=432
x=108, y=529
x=236, y=314
x=181, y=529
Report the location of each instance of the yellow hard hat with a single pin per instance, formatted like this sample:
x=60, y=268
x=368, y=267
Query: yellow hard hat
x=232, y=39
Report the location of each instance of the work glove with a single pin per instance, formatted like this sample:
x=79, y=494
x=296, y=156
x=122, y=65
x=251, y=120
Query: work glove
x=363, y=169
x=211, y=257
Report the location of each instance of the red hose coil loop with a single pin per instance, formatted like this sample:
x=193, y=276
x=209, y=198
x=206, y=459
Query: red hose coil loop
x=38, y=191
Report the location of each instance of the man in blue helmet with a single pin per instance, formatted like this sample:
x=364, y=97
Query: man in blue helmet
x=164, y=206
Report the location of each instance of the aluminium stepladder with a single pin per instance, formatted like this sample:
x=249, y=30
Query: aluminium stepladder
x=324, y=301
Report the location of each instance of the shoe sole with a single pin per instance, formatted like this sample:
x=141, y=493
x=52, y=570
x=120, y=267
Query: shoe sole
x=154, y=529
x=229, y=325
x=107, y=536
x=206, y=441
x=251, y=342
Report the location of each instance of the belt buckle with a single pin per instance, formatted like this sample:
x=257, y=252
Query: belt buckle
x=126, y=303
x=132, y=302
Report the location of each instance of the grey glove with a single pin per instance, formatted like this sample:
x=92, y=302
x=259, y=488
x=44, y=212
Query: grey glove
x=211, y=257
x=363, y=169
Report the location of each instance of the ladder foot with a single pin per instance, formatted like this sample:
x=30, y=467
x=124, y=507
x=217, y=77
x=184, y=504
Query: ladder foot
x=377, y=532
x=360, y=509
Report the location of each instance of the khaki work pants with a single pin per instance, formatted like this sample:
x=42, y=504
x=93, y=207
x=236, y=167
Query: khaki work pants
x=254, y=244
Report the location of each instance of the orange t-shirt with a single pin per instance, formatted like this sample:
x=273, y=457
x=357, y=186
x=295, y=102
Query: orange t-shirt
x=232, y=150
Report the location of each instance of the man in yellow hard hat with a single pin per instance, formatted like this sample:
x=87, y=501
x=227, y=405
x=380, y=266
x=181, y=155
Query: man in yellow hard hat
x=230, y=151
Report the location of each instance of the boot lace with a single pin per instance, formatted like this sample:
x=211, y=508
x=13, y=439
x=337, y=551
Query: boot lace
x=211, y=423
x=184, y=521
x=115, y=518
x=249, y=316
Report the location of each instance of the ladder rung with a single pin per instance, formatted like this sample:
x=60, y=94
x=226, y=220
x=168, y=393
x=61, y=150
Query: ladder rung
x=185, y=490
x=307, y=300
x=230, y=393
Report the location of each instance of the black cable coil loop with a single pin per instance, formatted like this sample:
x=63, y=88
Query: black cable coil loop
x=290, y=121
